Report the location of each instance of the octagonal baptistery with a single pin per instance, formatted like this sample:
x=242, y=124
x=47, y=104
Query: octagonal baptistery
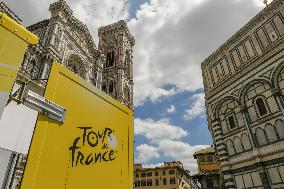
x=244, y=88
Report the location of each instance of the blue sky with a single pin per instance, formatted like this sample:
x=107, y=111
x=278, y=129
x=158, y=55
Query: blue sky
x=172, y=38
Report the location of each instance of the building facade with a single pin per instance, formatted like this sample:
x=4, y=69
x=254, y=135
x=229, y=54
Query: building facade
x=208, y=168
x=169, y=176
x=244, y=88
x=67, y=40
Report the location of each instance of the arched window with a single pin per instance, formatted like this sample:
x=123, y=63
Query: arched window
x=261, y=138
x=262, y=110
x=231, y=121
x=76, y=65
x=110, y=59
x=280, y=128
x=271, y=134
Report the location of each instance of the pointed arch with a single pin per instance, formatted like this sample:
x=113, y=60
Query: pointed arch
x=77, y=65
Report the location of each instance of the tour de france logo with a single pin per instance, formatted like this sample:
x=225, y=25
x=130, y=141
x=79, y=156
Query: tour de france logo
x=100, y=144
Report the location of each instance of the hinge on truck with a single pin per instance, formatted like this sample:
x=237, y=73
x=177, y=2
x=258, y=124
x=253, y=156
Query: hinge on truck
x=23, y=95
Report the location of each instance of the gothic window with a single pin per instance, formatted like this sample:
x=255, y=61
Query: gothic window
x=110, y=59
x=94, y=76
x=261, y=107
x=104, y=88
x=280, y=128
x=261, y=138
x=271, y=134
x=76, y=65
x=231, y=121
x=73, y=68
x=110, y=87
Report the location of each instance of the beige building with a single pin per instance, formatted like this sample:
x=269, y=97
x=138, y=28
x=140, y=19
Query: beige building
x=244, y=88
x=171, y=175
x=208, y=168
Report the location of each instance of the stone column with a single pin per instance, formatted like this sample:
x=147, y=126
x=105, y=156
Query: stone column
x=222, y=151
x=248, y=126
x=279, y=99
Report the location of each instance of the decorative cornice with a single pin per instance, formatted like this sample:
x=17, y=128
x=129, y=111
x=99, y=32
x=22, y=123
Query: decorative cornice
x=120, y=25
x=243, y=31
x=61, y=5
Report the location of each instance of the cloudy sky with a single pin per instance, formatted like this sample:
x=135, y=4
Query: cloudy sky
x=172, y=38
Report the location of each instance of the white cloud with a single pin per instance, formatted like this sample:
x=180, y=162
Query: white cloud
x=146, y=152
x=198, y=107
x=94, y=13
x=171, y=109
x=158, y=130
x=180, y=151
x=166, y=142
x=97, y=13
x=174, y=37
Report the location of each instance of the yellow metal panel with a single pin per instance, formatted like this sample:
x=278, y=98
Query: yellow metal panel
x=14, y=40
x=93, y=148
x=8, y=75
x=17, y=29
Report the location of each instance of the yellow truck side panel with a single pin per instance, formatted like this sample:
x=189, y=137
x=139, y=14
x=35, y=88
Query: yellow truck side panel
x=14, y=39
x=93, y=148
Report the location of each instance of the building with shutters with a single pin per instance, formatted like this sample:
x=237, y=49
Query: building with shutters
x=244, y=88
x=208, y=169
x=171, y=175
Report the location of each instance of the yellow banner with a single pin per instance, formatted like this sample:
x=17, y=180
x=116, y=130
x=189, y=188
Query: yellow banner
x=93, y=148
